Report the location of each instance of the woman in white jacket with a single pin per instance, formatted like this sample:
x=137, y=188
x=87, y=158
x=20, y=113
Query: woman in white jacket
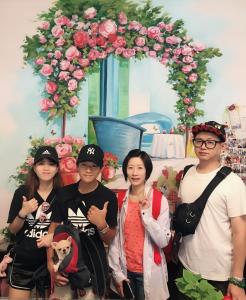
x=132, y=255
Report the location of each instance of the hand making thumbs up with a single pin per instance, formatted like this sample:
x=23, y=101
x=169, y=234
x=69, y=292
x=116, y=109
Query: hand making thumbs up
x=28, y=206
x=97, y=216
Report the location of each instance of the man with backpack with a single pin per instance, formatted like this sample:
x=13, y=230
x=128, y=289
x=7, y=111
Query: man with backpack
x=91, y=208
x=217, y=248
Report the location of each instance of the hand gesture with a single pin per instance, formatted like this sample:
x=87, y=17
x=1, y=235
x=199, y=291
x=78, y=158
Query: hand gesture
x=144, y=204
x=45, y=241
x=28, y=206
x=97, y=216
x=236, y=292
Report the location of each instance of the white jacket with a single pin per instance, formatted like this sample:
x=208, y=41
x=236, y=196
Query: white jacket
x=155, y=276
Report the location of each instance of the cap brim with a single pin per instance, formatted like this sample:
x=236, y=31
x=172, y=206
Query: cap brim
x=47, y=157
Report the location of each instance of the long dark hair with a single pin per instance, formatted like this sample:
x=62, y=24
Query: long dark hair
x=32, y=182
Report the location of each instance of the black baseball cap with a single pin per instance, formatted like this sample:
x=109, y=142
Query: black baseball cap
x=91, y=153
x=213, y=127
x=48, y=152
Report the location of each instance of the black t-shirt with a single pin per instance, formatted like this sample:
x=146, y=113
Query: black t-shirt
x=28, y=234
x=73, y=206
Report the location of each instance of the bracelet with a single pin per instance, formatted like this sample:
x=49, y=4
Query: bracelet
x=19, y=216
x=104, y=230
x=240, y=282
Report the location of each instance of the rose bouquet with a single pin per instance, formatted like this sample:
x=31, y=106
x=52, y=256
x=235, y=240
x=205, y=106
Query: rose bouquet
x=67, y=148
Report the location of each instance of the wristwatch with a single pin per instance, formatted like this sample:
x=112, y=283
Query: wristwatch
x=240, y=282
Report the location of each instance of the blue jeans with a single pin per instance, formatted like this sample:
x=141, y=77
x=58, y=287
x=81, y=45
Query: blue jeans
x=136, y=282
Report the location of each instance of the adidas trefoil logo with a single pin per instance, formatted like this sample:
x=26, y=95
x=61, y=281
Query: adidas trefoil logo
x=46, y=152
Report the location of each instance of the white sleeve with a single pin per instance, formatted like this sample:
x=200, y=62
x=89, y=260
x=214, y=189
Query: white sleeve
x=159, y=230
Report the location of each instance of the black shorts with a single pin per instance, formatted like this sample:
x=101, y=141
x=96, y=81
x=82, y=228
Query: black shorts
x=22, y=274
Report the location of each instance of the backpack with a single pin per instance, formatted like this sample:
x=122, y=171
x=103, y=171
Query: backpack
x=74, y=265
x=156, y=208
x=187, y=215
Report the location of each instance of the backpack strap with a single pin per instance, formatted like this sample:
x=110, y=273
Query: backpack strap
x=156, y=208
x=186, y=169
x=120, y=196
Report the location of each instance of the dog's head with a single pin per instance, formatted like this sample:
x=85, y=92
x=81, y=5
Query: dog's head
x=63, y=247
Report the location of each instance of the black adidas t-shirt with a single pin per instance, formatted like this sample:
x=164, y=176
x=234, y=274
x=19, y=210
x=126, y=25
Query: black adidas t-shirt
x=73, y=206
x=28, y=234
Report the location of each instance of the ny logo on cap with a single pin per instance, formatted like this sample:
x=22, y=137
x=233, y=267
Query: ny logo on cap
x=46, y=152
x=91, y=151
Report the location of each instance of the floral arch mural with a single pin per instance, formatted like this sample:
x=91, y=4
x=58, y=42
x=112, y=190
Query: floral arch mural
x=73, y=37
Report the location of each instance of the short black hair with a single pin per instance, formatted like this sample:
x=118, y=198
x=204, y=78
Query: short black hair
x=145, y=158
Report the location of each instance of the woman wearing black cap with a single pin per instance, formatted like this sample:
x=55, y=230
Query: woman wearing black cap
x=29, y=219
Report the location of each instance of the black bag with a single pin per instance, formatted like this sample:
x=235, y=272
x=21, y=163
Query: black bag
x=187, y=215
x=74, y=263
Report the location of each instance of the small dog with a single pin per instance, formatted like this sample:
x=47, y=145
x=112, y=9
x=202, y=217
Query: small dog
x=62, y=249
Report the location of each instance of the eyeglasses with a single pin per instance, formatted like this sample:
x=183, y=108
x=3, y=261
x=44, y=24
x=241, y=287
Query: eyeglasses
x=209, y=144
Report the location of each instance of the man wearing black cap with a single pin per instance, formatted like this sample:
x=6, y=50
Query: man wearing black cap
x=88, y=205
x=216, y=250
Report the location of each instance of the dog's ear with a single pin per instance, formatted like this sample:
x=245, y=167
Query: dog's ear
x=69, y=239
x=53, y=245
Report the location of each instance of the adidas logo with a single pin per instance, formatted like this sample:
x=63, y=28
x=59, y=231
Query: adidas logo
x=46, y=152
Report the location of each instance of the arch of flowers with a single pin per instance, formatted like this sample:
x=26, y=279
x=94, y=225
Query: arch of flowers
x=74, y=36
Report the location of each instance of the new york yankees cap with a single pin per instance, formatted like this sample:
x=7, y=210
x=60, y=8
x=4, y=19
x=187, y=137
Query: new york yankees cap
x=91, y=153
x=48, y=152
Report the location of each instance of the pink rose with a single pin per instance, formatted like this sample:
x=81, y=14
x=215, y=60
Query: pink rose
x=54, y=62
x=50, y=141
x=67, y=139
x=143, y=31
x=110, y=50
x=186, y=50
x=140, y=41
x=84, y=62
x=74, y=101
x=177, y=51
x=153, y=32
x=42, y=39
x=94, y=28
x=40, y=61
x=30, y=160
x=100, y=41
x=186, y=69
x=164, y=61
x=62, y=20
x=46, y=70
x=93, y=54
x=127, y=53
x=46, y=104
x=165, y=55
x=45, y=25
x=56, y=98
x=80, y=38
x=107, y=27
x=134, y=25
x=187, y=100
x=191, y=110
x=162, y=25
x=193, y=77
x=78, y=141
x=51, y=87
x=90, y=13
x=145, y=49
x=63, y=150
x=72, y=85
x=23, y=171
x=121, y=29
x=119, y=51
x=72, y=52
x=64, y=65
x=157, y=47
x=102, y=55
x=78, y=74
x=58, y=54
x=198, y=46
x=122, y=18
x=193, y=65
x=68, y=165
x=57, y=31
x=187, y=59
x=63, y=75
x=119, y=42
x=152, y=53
x=169, y=27
x=60, y=42
x=160, y=39
x=173, y=40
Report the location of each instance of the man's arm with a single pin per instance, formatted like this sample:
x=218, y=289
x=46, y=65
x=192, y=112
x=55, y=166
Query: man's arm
x=238, y=225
